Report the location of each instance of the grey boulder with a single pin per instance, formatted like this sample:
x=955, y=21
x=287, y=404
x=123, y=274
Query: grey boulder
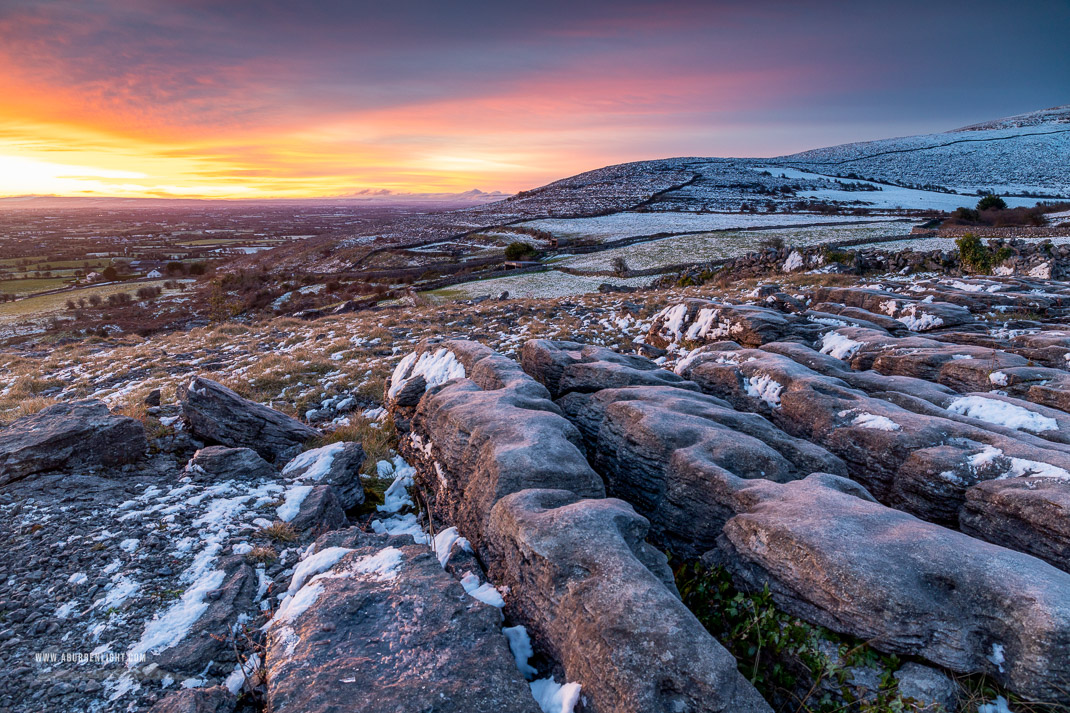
x=320, y=511
x=337, y=465
x=495, y=432
x=664, y=449
x=696, y=321
x=835, y=558
x=931, y=690
x=211, y=637
x=388, y=631
x=565, y=367
x=218, y=415
x=1029, y=514
x=223, y=463
x=586, y=585
x=66, y=436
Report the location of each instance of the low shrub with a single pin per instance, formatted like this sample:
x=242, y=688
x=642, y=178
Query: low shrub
x=519, y=251
x=978, y=257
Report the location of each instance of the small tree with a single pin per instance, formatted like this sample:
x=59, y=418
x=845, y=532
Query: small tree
x=620, y=266
x=977, y=256
x=518, y=251
x=991, y=202
x=95, y=300
x=110, y=273
x=774, y=242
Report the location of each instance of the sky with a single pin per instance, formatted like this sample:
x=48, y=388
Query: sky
x=264, y=98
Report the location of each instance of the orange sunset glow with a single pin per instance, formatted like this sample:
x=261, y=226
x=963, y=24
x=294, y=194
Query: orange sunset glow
x=261, y=100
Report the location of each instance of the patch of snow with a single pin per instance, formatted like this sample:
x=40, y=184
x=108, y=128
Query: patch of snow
x=553, y=697
x=837, y=345
x=829, y=321
x=485, y=592
x=119, y=591
x=1016, y=467
x=381, y=566
x=314, y=564
x=520, y=645
x=396, y=496
x=998, y=378
x=120, y=687
x=765, y=388
x=704, y=321
x=65, y=610
x=169, y=628
x=406, y=524
x=1041, y=271
x=444, y=542
x=374, y=414
x=315, y=463
x=794, y=262
x=1002, y=413
x=293, y=606
x=996, y=656
x=236, y=679
x=288, y=638
x=997, y=706
x=295, y=496
x=687, y=360
x=672, y=320
x=436, y=368
x=875, y=422
x=917, y=321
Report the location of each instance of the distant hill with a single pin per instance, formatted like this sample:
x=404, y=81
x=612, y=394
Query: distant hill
x=1018, y=155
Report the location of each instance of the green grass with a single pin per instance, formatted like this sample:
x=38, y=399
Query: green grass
x=31, y=285
x=45, y=306
x=803, y=668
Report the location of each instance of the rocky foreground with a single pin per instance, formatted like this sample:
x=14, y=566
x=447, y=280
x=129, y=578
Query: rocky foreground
x=881, y=472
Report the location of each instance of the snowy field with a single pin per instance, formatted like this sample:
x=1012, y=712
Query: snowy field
x=925, y=244
x=890, y=197
x=720, y=245
x=1024, y=153
x=535, y=285
x=630, y=225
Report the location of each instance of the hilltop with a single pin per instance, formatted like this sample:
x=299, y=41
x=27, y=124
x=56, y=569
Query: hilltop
x=1020, y=155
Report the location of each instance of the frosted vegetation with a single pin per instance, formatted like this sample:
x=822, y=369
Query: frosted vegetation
x=629, y=225
x=720, y=245
x=1010, y=156
x=536, y=285
x=888, y=197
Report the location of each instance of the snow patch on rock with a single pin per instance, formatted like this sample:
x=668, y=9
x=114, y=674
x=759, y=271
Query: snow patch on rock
x=1002, y=413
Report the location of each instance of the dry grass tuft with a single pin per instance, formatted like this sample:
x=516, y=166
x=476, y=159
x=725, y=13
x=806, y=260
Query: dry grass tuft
x=277, y=531
x=377, y=438
x=261, y=555
x=26, y=407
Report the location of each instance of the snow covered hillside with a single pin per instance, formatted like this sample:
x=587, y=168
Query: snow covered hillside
x=1028, y=153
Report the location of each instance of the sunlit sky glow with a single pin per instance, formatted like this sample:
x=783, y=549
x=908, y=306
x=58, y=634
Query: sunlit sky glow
x=262, y=98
